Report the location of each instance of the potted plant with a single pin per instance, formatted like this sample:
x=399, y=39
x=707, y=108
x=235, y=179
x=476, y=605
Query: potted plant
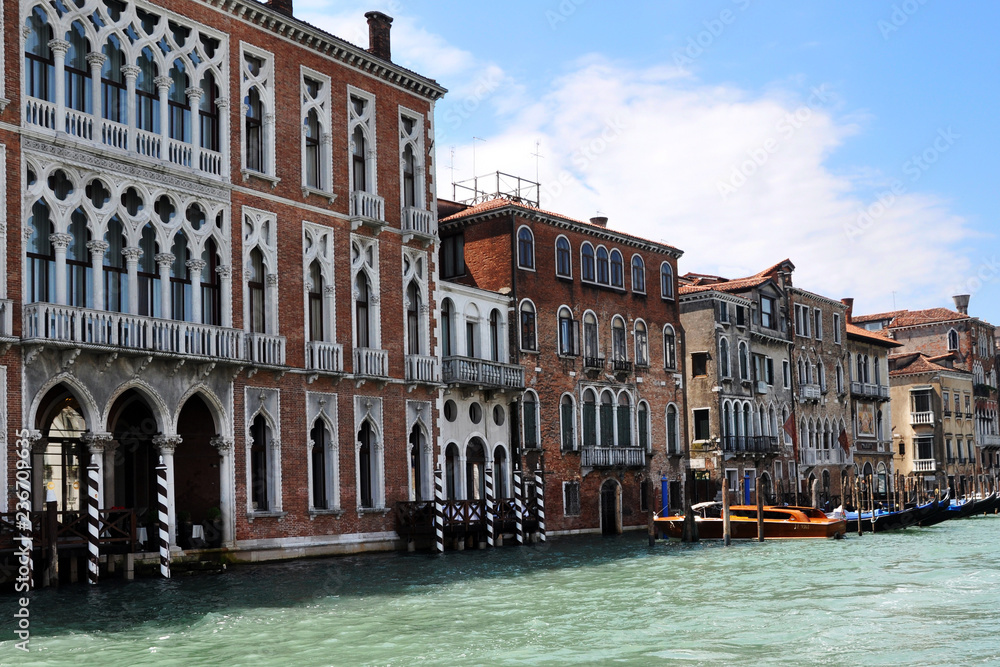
x=213, y=527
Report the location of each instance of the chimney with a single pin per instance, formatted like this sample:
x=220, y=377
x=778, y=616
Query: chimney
x=599, y=221
x=281, y=6
x=849, y=302
x=962, y=303
x=379, y=26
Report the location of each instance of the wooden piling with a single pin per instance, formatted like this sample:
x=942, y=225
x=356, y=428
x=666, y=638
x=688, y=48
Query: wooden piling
x=858, y=491
x=760, y=514
x=871, y=499
x=727, y=533
x=815, y=494
x=689, y=532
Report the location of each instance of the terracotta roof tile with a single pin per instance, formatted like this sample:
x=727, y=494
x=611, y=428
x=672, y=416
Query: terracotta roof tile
x=908, y=318
x=877, y=337
x=922, y=364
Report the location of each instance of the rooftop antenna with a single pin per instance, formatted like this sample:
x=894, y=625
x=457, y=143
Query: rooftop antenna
x=474, y=140
x=894, y=300
x=538, y=155
x=454, y=193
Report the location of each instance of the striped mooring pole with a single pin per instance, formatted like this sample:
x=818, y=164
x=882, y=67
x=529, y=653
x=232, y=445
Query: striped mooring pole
x=93, y=522
x=489, y=506
x=540, y=496
x=26, y=538
x=438, y=511
x=518, y=508
x=161, y=503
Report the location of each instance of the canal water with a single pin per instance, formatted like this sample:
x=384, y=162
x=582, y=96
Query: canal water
x=921, y=596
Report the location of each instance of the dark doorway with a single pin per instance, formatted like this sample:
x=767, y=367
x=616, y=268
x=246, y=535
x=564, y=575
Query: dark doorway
x=134, y=427
x=196, y=463
x=610, y=510
x=475, y=470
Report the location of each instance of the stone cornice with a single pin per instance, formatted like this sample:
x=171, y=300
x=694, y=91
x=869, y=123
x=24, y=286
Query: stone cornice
x=311, y=37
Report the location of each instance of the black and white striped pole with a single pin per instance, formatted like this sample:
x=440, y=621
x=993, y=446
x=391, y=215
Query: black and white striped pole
x=540, y=495
x=489, y=506
x=93, y=521
x=438, y=511
x=518, y=508
x=161, y=507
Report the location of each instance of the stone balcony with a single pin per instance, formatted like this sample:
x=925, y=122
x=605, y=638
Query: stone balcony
x=924, y=465
x=922, y=418
x=422, y=369
x=367, y=210
x=371, y=362
x=612, y=457
x=866, y=390
x=113, y=137
x=324, y=357
x=482, y=374
x=418, y=223
x=810, y=392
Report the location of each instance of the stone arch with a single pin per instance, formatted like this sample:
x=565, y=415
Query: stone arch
x=610, y=507
x=77, y=389
x=223, y=425
x=156, y=404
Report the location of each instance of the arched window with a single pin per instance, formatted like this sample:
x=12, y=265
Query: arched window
x=624, y=421
x=591, y=349
x=617, y=270
x=114, y=89
x=840, y=378
x=669, y=348
x=149, y=276
x=359, y=168
x=619, y=350
x=727, y=420
x=500, y=472
x=878, y=370
x=208, y=113
x=475, y=470
x=260, y=464
x=417, y=466
x=447, y=316
x=79, y=268
x=642, y=424
x=315, y=302
x=211, y=286
x=41, y=256
x=258, y=309
x=413, y=337
x=319, y=441
x=178, y=105
x=602, y=265
x=569, y=333
x=79, y=91
x=589, y=418
x=744, y=362
x=587, y=263
x=529, y=339
x=366, y=466
x=147, y=97
x=666, y=281
x=673, y=442
x=638, y=275
x=312, y=134
x=115, y=273
x=39, y=65
x=253, y=121
x=821, y=375
x=868, y=377
x=952, y=340
x=495, y=335
x=525, y=249
x=530, y=420
x=362, y=311
x=607, y=419
x=641, y=344
x=564, y=262
x=567, y=422
x=724, y=358
x=180, y=279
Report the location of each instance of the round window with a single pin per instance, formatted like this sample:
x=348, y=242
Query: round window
x=476, y=413
x=450, y=410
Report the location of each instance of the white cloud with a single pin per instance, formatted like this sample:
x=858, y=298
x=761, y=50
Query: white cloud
x=655, y=150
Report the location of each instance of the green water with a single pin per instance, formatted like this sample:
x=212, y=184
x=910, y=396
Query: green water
x=919, y=597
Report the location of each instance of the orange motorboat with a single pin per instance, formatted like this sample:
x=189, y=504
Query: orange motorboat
x=783, y=522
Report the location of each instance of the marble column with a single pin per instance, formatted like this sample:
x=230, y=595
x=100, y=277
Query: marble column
x=97, y=250
x=96, y=61
x=60, y=242
x=59, y=48
x=97, y=445
x=164, y=261
x=195, y=267
x=131, y=73
x=132, y=256
x=226, y=292
x=194, y=94
x=227, y=492
x=163, y=84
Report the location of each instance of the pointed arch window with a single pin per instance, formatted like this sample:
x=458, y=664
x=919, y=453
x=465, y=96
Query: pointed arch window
x=178, y=104
x=147, y=98
x=320, y=461
x=952, y=340
x=589, y=418
x=529, y=340
x=180, y=279
x=567, y=425
x=744, y=362
x=669, y=348
x=115, y=273
x=149, y=277
x=413, y=339
x=447, y=315
x=607, y=420
x=258, y=309
x=495, y=335
x=366, y=466
x=208, y=113
x=417, y=466
x=724, y=359
x=642, y=425
x=260, y=446
x=362, y=311
x=530, y=420
x=79, y=90
x=673, y=443
x=39, y=64
x=79, y=268
x=624, y=420
x=315, y=302
x=591, y=348
x=618, y=339
x=41, y=256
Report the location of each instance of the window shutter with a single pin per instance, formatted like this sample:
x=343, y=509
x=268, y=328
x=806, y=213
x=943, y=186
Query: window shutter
x=567, y=427
x=624, y=427
x=530, y=424
x=589, y=425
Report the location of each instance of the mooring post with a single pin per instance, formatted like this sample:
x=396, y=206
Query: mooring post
x=93, y=522
x=489, y=507
x=540, y=501
x=689, y=532
x=161, y=503
x=518, y=508
x=760, y=515
x=857, y=502
x=871, y=497
x=746, y=489
x=665, y=495
x=51, y=575
x=815, y=494
x=438, y=510
x=727, y=534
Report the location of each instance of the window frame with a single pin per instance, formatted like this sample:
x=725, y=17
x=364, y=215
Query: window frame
x=264, y=82
x=564, y=256
x=525, y=248
x=641, y=268
x=667, y=289
x=527, y=306
x=321, y=105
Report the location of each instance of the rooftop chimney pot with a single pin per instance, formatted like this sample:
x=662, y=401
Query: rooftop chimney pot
x=599, y=221
x=849, y=302
x=379, y=27
x=281, y=6
x=962, y=303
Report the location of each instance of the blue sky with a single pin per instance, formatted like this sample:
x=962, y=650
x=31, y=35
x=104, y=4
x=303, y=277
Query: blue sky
x=858, y=140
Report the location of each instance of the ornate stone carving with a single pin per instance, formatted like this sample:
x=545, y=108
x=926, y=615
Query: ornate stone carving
x=131, y=71
x=196, y=265
x=98, y=247
x=163, y=82
x=97, y=443
x=224, y=271
x=164, y=258
x=194, y=92
x=272, y=280
x=132, y=254
x=167, y=444
x=222, y=102
x=96, y=58
x=59, y=46
x=60, y=241
x=223, y=444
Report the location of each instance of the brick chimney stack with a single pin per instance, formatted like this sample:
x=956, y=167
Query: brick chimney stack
x=281, y=6
x=849, y=302
x=379, y=27
x=599, y=221
x=962, y=303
